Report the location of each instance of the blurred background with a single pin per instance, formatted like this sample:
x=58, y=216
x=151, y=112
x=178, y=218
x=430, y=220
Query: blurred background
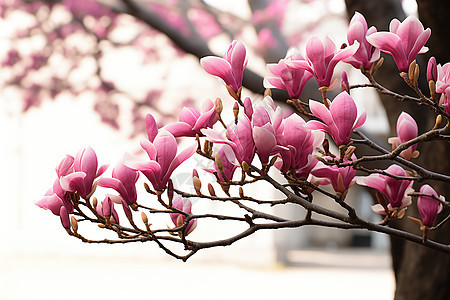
x=83, y=72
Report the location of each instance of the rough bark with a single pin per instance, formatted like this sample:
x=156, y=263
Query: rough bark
x=420, y=273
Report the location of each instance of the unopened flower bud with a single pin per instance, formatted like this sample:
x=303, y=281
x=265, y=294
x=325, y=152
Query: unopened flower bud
x=144, y=218
x=432, y=87
x=147, y=188
x=219, y=106
x=432, y=70
x=64, y=216
x=170, y=191
x=268, y=92
x=438, y=122
x=245, y=167
x=345, y=86
x=411, y=70
x=273, y=160
x=211, y=190
x=377, y=65
x=416, y=75
x=94, y=202
x=236, y=112
x=197, y=185
x=241, y=192
x=74, y=224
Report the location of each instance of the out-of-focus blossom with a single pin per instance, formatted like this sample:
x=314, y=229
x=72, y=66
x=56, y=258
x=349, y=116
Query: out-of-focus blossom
x=395, y=190
x=191, y=121
x=290, y=79
x=81, y=8
x=429, y=207
x=406, y=130
x=366, y=54
x=300, y=142
x=84, y=173
x=340, y=120
x=403, y=41
x=229, y=68
x=432, y=69
x=266, y=41
x=124, y=182
x=162, y=152
x=341, y=179
x=322, y=58
x=178, y=219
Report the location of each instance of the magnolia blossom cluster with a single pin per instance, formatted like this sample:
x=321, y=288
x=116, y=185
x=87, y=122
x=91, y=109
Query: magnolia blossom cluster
x=263, y=134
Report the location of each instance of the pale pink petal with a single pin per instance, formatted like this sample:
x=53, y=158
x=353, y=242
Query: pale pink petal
x=151, y=127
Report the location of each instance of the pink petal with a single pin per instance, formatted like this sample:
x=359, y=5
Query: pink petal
x=179, y=129
x=166, y=149
x=151, y=127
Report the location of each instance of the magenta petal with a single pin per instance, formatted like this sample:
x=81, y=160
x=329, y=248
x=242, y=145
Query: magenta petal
x=217, y=67
x=179, y=129
x=189, y=115
x=151, y=127
x=185, y=154
x=166, y=149
x=361, y=120
x=344, y=112
x=52, y=203
x=265, y=141
x=73, y=182
x=65, y=166
x=149, y=148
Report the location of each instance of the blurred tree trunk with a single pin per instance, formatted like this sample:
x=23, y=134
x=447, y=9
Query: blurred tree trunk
x=420, y=273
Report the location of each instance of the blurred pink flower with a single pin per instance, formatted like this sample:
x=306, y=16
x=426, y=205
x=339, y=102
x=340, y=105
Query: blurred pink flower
x=406, y=130
x=443, y=85
x=432, y=69
x=403, y=41
x=340, y=120
x=229, y=68
x=429, y=207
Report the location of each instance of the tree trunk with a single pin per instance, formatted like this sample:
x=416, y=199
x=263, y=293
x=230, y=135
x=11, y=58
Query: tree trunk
x=420, y=273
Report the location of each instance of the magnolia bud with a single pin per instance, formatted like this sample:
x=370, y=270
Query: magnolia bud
x=197, y=185
x=411, y=70
x=377, y=65
x=245, y=167
x=236, y=112
x=432, y=87
x=147, y=188
x=219, y=106
x=211, y=190
x=431, y=69
x=345, y=86
x=74, y=224
x=268, y=92
x=416, y=75
x=144, y=218
x=94, y=202
x=241, y=192
x=170, y=191
x=64, y=216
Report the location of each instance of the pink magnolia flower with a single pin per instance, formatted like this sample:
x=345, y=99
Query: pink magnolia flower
x=240, y=139
x=162, y=151
x=406, y=130
x=300, y=142
x=432, y=69
x=124, y=182
x=178, y=219
x=266, y=123
x=395, y=191
x=341, y=179
x=366, y=54
x=340, y=120
x=322, y=58
x=64, y=216
x=288, y=78
x=56, y=197
x=229, y=68
x=106, y=209
x=443, y=85
x=403, y=41
x=84, y=173
x=429, y=207
x=229, y=165
x=191, y=121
